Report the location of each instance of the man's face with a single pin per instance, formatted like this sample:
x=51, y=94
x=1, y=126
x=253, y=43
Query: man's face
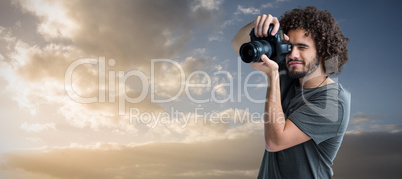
x=303, y=59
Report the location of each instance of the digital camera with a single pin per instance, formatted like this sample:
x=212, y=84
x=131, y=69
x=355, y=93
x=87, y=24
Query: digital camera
x=274, y=46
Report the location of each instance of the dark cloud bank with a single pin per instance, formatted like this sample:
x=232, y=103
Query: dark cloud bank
x=365, y=155
x=369, y=155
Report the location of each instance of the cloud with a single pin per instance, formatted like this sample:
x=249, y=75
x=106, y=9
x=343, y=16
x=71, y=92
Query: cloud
x=274, y=4
x=212, y=159
x=360, y=118
x=361, y=123
x=207, y=4
x=242, y=10
x=129, y=32
x=34, y=139
x=249, y=10
x=37, y=127
x=192, y=78
x=257, y=11
x=369, y=155
x=176, y=76
x=392, y=128
x=366, y=155
x=198, y=125
x=218, y=36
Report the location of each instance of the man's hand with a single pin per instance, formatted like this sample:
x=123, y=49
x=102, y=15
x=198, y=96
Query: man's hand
x=267, y=66
x=261, y=25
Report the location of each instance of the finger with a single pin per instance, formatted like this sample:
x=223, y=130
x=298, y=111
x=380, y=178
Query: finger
x=265, y=59
x=286, y=37
x=276, y=25
x=256, y=22
x=266, y=24
x=260, y=25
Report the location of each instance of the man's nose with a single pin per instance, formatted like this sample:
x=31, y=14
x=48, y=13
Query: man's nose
x=295, y=54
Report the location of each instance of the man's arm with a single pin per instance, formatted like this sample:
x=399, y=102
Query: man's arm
x=242, y=36
x=279, y=133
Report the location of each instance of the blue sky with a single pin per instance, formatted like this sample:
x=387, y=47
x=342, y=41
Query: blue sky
x=42, y=123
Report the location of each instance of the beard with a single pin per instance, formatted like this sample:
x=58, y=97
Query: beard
x=310, y=68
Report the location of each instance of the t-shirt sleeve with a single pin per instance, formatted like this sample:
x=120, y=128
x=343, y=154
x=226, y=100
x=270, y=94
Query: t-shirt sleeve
x=321, y=117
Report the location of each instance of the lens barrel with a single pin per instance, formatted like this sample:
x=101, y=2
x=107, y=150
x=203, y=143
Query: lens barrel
x=252, y=51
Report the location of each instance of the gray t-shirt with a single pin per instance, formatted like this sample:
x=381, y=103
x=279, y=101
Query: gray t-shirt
x=321, y=113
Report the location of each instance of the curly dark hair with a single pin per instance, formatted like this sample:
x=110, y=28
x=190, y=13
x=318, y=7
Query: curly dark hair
x=325, y=31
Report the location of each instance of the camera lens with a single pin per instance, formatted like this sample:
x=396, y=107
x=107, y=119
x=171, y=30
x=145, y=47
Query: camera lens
x=248, y=53
x=251, y=52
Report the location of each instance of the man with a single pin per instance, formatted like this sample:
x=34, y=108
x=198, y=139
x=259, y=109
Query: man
x=306, y=112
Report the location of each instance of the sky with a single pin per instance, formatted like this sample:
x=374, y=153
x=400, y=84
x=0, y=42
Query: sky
x=153, y=89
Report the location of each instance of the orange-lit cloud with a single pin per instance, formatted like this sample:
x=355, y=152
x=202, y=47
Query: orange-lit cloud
x=212, y=159
x=129, y=32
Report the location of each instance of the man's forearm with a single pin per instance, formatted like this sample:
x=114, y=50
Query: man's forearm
x=274, y=118
x=242, y=36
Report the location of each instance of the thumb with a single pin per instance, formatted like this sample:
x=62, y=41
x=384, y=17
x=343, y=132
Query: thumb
x=264, y=58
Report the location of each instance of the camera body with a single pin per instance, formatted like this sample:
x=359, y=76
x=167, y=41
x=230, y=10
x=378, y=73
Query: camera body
x=274, y=46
